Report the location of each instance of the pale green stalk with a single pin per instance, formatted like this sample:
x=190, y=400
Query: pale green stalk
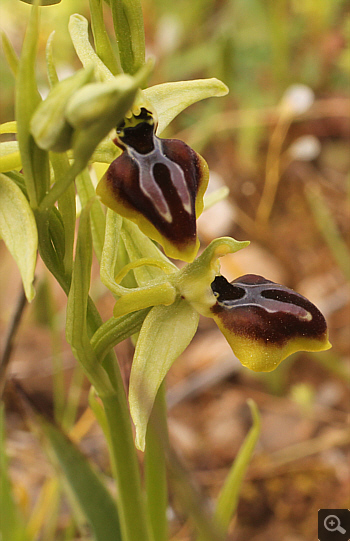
x=155, y=468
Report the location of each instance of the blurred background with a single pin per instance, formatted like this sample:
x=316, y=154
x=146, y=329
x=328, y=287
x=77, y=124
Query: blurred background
x=280, y=142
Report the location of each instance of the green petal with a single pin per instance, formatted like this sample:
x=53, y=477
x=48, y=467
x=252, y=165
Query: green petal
x=166, y=332
x=18, y=230
x=169, y=99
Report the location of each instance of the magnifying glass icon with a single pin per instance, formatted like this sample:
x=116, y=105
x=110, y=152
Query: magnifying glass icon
x=332, y=524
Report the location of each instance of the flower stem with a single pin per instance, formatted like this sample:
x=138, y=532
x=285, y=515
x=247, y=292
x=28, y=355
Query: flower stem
x=126, y=469
x=155, y=468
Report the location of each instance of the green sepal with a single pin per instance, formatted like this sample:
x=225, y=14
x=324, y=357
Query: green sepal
x=18, y=230
x=34, y=160
x=156, y=289
x=165, y=333
x=169, y=99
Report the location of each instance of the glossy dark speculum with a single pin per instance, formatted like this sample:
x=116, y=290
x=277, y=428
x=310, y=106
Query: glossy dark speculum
x=258, y=309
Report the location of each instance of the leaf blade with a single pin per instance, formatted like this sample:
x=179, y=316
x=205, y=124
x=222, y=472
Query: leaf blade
x=18, y=230
x=95, y=501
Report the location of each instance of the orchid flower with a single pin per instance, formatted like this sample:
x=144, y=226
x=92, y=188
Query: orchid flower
x=154, y=189
x=263, y=322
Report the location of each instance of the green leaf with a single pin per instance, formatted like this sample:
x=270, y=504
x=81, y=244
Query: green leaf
x=110, y=252
x=67, y=207
x=93, y=497
x=18, y=230
x=12, y=525
x=228, y=497
x=169, y=99
x=166, y=332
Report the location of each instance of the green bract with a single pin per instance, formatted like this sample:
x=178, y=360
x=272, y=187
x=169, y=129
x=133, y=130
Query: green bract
x=165, y=333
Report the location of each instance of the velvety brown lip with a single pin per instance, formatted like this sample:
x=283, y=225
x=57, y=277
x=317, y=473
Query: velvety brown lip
x=123, y=179
x=259, y=309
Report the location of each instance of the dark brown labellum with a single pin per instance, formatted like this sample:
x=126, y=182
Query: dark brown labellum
x=155, y=182
x=258, y=309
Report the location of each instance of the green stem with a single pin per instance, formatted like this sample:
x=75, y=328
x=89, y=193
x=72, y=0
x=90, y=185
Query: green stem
x=155, y=468
x=126, y=469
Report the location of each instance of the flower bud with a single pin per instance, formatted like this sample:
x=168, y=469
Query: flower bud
x=49, y=125
x=265, y=322
x=97, y=102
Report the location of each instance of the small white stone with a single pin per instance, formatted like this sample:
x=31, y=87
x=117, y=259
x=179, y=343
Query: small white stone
x=305, y=148
x=298, y=98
